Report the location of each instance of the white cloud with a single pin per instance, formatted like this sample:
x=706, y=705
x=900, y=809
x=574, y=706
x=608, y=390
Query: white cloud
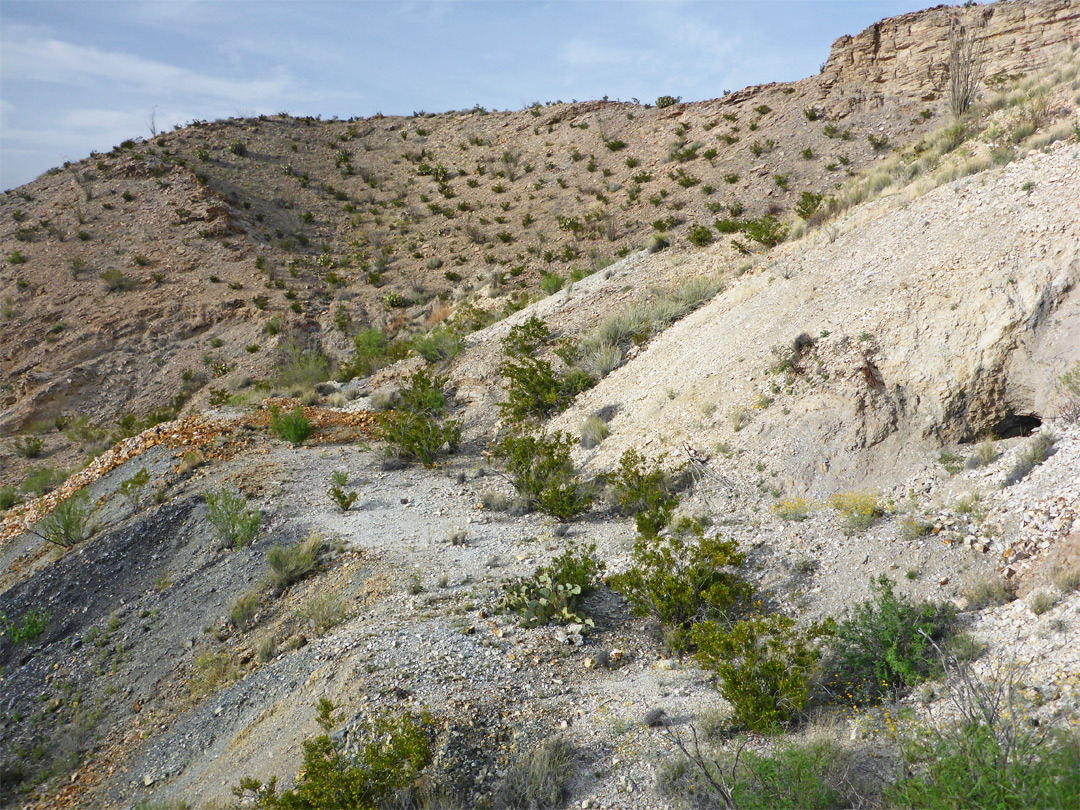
x=581, y=53
x=58, y=62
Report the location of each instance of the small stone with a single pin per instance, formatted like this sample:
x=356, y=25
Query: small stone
x=148, y=780
x=654, y=717
x=943, y=582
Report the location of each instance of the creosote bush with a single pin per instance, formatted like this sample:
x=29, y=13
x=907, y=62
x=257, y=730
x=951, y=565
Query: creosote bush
x=542, y=472
x=647, y=494
x=533, y=389
x=415, y=429
x=685, y=577
x=392, y=752
x=293, y=427
x=993, y=754
x=885, y=645
x=766, y=666
x=227, y=510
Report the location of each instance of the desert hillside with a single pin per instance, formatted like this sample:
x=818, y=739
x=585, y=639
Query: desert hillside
x=597, y=454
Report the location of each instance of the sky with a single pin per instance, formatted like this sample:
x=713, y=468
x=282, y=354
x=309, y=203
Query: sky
x=77, y=77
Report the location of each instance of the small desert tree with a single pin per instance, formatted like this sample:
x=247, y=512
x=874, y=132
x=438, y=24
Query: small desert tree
x=967, y=62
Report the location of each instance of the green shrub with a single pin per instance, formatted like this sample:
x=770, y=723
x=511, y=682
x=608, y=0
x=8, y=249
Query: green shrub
x=9, y=496
x=414, y=429
x=16, y=257
x=884, y=646
x=952, y=462
x=538, y=779
x=1007, y=767
x=685, y=577
x=542, y=472
x=667, y=101
x=25, y=629
x=300, y=367
x=765, y=666
x=343, y=499
x=243, y=610
x=810, y=776
x=289, y=564
x=292, y=427
x=551, y=283
x=67, y=525
x=131, y=489
x=439, y=346
x=228, y=513
x=391, y=754
x=40, y=480
x=859, y=510
x=644, y=493
x=116, y=280
x=29, y=446
x=700, y=235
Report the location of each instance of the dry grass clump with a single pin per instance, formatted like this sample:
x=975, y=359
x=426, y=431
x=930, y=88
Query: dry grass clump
x=986, y=452
x=594, y=431
x=1040, y=601
x=243, y=610
x=988, y=591
x=1066, y=578
x=289, y=564
x=323, y=612
x=537, y=779
x=602, y=351
x=212, y=671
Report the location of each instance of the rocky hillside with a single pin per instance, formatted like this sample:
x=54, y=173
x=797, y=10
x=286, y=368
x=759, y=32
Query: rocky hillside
x=123, y=272
x=887, y=385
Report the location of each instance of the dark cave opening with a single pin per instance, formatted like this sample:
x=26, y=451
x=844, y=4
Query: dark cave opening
x=1016, y=424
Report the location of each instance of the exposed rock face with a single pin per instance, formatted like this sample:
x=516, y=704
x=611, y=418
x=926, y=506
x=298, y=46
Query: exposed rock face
x=907, y=57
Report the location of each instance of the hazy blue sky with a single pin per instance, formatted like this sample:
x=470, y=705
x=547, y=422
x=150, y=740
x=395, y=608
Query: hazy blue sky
x=82, y=76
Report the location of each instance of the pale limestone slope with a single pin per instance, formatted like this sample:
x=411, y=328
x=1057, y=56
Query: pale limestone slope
x=944, y=316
